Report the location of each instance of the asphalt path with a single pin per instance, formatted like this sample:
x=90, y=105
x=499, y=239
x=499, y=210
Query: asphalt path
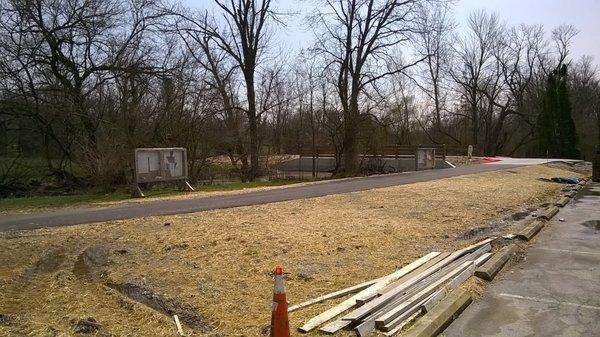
x=81, y=215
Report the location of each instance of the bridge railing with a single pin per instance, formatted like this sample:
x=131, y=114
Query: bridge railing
x=441, y=151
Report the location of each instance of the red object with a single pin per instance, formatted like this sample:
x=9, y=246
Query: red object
x=280, y=323
x=490, y=159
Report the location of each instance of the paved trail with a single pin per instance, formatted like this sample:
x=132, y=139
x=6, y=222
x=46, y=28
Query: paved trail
x=72, y=216
x=556, y=291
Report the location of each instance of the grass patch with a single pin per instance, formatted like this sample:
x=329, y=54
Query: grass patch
x=90, y=198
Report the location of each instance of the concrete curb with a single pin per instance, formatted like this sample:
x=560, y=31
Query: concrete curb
x=549, y=213
x=571, y=194
x=435, y=321
x=488, y=270
x=531, y=229
x=577, y=187
x=562, y=202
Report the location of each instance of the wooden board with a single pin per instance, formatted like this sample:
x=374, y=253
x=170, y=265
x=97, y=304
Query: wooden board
x=335, y=326
x=530, y=230
x=435, y=321
x=388, y=317
x=434, y=299
x=351, y=302
x=481, y=260
x=368, y=323
x=419, y=270
x=399, y=321
x=549, y=213
x=562, y=202
x=400, y=326
x=489, y=269
x=379, y=302
x=335, y=294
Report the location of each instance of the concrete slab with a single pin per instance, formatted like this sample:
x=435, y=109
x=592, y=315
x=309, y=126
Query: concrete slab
x=556, y=291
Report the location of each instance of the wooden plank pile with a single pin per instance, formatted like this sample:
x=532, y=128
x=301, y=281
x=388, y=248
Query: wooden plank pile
x=389, y=303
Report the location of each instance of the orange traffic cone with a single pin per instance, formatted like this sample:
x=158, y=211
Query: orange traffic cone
x=280, y=324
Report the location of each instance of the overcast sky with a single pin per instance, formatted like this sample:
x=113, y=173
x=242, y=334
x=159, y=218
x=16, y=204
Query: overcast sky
x=583, y=14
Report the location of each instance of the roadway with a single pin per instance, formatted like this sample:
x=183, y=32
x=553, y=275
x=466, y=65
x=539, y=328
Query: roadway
x=81, y=215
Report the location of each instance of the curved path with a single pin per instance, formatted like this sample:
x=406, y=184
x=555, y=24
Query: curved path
x=80, y=215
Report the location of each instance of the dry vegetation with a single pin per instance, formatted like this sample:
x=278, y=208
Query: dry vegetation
x=218, y=263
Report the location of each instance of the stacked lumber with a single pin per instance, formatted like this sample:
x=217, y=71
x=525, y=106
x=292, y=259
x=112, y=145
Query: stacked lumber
x=389, y=303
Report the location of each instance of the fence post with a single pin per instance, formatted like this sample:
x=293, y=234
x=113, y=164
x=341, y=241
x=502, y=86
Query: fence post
x=397, y=152
x=444, y=153
x=317, y=169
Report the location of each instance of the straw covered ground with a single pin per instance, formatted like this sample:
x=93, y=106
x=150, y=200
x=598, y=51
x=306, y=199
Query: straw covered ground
x=214, y=269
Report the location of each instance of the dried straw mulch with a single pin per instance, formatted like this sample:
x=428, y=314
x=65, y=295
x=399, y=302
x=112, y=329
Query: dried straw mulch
x=220, y=262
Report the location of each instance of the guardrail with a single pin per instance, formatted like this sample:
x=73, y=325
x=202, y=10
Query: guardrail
x=390, y=151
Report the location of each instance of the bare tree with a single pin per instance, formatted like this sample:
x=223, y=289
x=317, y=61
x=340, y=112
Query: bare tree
x=562, y=37
x=357, y=41
x=206, y=52
x=80, y=43
x=585, y=90
x=473, y=53
x=517, y=57
x=433, y=41
x=244, y=37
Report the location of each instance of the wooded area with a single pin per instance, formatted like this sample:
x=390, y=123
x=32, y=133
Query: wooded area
x=83, y=83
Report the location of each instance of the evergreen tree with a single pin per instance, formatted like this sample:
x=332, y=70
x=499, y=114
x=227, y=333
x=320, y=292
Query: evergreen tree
x=567, y=134
x=546, y=119
x=556, y=129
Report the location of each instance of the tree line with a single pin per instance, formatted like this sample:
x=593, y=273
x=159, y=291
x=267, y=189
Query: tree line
x=84, y=82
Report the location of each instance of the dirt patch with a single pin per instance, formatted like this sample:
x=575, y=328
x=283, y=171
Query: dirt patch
x=476, y=232
x=167, y=306
x=49, y=262
x=92, y=263
x=4, y=319
x=86, y=325
x=519, y=215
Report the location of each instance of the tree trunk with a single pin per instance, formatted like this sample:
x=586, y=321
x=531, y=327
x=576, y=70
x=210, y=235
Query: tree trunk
x=89, y=127
x=313, y=136
x=252, y=127
x=350, y=133
x=475, y=117
x=598, y=127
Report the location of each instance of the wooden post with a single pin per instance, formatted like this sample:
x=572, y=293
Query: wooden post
x=317, y=169
x=397, y=152
x=444, y=153
x=300, y=166
x=417, y=159
x=136, y=191
x=313, y=153
x=596, y=167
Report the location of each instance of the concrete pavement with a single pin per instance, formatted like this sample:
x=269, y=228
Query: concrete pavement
x=72, y=216
x=556, y=291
